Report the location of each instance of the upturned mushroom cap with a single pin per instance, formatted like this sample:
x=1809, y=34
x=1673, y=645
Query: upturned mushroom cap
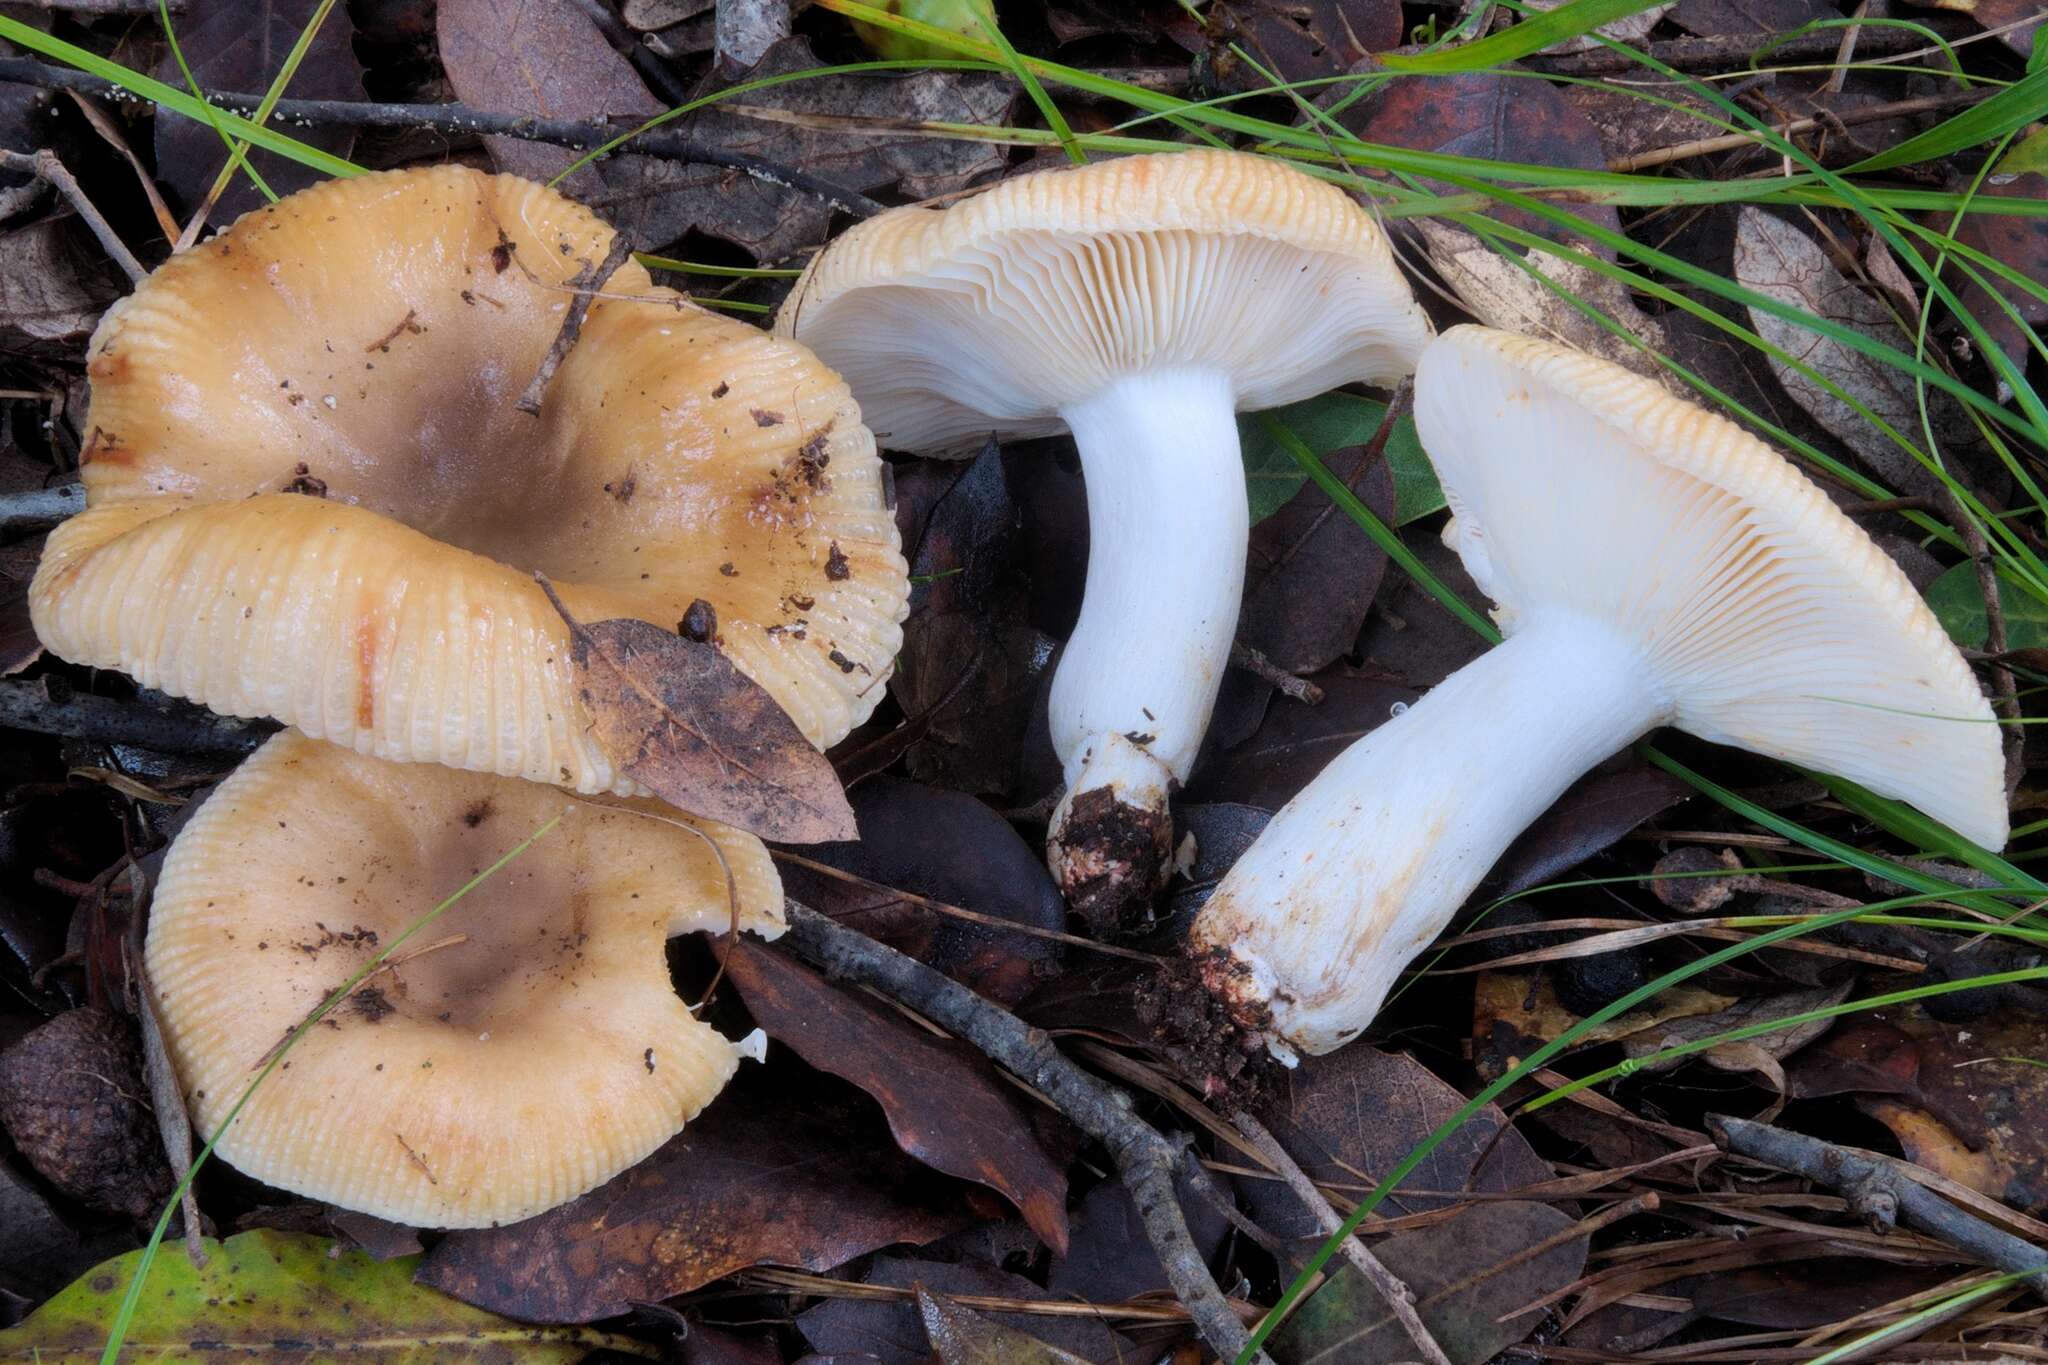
x=999, y=311
x=524, y=1048
x=1768, y=619
x=310, y=495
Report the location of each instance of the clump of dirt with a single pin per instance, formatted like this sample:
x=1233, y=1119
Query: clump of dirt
x=1227, y=1062
x=1111, y=856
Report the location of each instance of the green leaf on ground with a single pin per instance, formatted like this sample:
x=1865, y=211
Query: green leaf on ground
x=1328, y=423
x=1959, y=605
x=261, y=1290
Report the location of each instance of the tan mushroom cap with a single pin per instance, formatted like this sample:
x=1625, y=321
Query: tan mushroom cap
x=364, y=341
x=528, y=1045
x=999, y=310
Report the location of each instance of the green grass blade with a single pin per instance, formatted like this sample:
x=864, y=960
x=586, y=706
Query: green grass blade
x=1527, y=36
x=239, y=151
x=163, y=10
x=2007, y=111
x=172, y=98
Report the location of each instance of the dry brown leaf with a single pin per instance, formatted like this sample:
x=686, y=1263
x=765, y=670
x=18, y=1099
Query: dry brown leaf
x=680, y=719
x=1775, y=258
x=1500, y=293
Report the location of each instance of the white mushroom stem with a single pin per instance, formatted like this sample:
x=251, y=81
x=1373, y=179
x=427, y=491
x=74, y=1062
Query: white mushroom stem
x=1369, y=862
x=1167, y=524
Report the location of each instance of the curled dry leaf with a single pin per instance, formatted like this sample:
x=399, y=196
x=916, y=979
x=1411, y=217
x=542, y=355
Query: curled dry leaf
x=286, y=1296
x=681, y=720
x=50, y=292
x=945, y=1103
x=1470, y=1275
x=1776, y=259
x=1762, y=1054
x=1502, y=293
x=961, y=1336
x=756, y=1179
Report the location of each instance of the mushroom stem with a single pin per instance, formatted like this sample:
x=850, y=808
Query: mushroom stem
x=1167, y=524
x=1369, y=862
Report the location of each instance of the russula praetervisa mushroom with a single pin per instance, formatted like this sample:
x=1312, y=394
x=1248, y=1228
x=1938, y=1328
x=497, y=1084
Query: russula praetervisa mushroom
x=523, y=1048
x=1139, y=303
x=1654, y=565
x=310, y=494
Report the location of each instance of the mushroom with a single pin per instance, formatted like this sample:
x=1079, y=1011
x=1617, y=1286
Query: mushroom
x=523, y=1048
x=1654, y=565
x=311, y=495
x=1139, y=303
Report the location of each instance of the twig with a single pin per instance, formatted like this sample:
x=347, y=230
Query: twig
x=45, y=166
x=1266, y=671
x=168, y=726
x=1883, y=1193
x=584, y=285
x=1399, y=1297
x=1729, y=50
x=462, y=120
x=1144, y=1159
x=33, y=509
x=1728, y=142
x=939, y=907
x=1846, y=53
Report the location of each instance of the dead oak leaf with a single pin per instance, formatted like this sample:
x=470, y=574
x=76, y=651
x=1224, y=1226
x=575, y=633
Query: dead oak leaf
x=756, y=1179
x=679, y=718
x=946, y=1105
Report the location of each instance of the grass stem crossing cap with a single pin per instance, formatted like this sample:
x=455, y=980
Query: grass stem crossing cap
x=1139, y=303
x=311, y=494
x=1654, y=564
x=523, y=1048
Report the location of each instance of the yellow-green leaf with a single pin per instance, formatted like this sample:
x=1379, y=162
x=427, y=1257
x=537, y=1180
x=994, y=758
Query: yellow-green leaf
x=285, y=1296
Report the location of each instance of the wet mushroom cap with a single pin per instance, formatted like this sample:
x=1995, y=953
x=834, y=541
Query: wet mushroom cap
x=526, y=1046
x=1768, y=619
x=311, y=496
x=1000, y=310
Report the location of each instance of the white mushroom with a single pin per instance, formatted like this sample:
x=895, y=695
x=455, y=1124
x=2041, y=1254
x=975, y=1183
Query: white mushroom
x=1654, y=565
x=1140, y=304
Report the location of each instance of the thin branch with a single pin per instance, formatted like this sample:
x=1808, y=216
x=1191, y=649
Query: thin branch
x=1729, y=51
x=34, y=509
x=462, y=120
x=1882, y=1194
x=1273, y=675
x=584, y=287
x=1400, y=1299
x=1144, y=1159
x=45, y=166
x=159, y=723
x=1728, y=142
